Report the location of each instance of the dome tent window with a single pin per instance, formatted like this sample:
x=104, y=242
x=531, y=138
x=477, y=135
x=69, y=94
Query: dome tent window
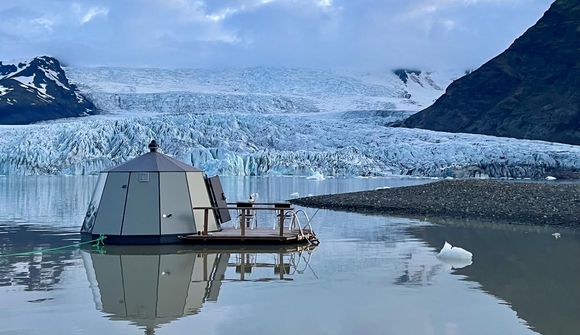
x=144, y=177
x=132, y=201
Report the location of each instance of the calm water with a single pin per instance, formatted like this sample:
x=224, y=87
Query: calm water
x=370, y=274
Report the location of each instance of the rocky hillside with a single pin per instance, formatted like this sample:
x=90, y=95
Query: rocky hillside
x=39, y=90
x=531, y=90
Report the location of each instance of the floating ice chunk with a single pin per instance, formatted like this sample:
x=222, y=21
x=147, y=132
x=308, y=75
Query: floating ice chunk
x=550, y=178
x=295, y=195
x=556, y=235
x=316, y=176
x=382, y=188
x=450, y=252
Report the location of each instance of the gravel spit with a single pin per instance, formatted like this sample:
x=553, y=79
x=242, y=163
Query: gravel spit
x=532, y=203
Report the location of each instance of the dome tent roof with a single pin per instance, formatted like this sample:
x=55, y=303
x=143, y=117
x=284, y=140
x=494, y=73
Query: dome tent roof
x=153, y=161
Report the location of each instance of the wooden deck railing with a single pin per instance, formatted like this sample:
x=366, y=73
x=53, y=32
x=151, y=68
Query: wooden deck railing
x=245, y=209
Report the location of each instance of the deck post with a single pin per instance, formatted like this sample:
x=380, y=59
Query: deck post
x=245, y=209
x=281, y=265
x=204, y=267
x=205, y=220
x=281, y=222
x=242, y=266
x=243, y=223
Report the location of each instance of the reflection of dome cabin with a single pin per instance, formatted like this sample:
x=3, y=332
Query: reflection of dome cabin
x=150, y=199
x=153, y=286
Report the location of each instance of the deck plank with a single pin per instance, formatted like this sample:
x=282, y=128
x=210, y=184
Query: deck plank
x=258, y=235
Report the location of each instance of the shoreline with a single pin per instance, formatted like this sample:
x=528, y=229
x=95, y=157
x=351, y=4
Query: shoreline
x=504, y=202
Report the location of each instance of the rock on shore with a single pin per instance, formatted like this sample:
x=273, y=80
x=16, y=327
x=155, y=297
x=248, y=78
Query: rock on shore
x=503, y=201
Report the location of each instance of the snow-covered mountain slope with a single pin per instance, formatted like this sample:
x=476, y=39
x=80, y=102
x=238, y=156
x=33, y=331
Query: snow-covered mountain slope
x=264, y=121
x=244, y=144
x=38, y=90
x=258, y=89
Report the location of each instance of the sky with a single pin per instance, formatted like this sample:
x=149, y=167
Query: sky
x=362, y=34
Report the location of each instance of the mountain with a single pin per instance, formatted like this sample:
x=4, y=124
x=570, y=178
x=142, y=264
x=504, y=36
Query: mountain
x=39, y=90
x=269, y=121
x=531, y=90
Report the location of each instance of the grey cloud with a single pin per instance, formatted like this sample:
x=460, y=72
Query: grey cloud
x=450, y=34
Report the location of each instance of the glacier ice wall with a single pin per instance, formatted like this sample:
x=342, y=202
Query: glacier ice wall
x=184, y=102
x=246, y=144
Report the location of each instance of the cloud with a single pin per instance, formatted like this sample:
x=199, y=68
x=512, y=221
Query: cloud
x=448, y=24
x=44, y=22
x=429, y=34
x=222, y=14
x=423, y=8
x=93, y=12
x=324, y=3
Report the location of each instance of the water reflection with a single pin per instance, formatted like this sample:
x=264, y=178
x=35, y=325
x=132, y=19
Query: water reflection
x=45, y=200
x=155, y=285
x=374, y=274
x=284, y=188
x=418, y=270
x=33, y=271
x=536, y=274
x=62, y=201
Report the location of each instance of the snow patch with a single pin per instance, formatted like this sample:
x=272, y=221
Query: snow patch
x=28, y=83
x=53, y=75
x=4, y=90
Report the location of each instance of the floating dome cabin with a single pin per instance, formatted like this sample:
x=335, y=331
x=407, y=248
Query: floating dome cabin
x=150, y=200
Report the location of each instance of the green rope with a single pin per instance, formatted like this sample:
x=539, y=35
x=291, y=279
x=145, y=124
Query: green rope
x=98, y=245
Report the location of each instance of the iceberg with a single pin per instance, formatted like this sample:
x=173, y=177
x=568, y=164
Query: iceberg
x=451, y=253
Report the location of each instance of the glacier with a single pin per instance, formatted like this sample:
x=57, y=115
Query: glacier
x=264, y=121
x=138, y=90
x=245, y=144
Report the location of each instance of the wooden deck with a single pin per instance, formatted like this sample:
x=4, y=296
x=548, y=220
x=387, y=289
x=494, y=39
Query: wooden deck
x=287, y=231
x=251, y=236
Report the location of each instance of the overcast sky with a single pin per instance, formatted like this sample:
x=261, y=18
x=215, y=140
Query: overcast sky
x=427, y=34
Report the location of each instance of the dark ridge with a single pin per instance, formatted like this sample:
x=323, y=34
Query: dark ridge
x=50, y=95
x=403, y=74
x=530, y=91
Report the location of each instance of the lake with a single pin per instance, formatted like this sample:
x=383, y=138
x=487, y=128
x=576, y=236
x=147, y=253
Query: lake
x=369, y=275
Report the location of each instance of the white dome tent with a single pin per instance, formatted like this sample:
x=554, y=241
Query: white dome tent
x=150, y=200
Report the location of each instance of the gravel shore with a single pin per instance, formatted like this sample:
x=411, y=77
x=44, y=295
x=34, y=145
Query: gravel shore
x=552, y=204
